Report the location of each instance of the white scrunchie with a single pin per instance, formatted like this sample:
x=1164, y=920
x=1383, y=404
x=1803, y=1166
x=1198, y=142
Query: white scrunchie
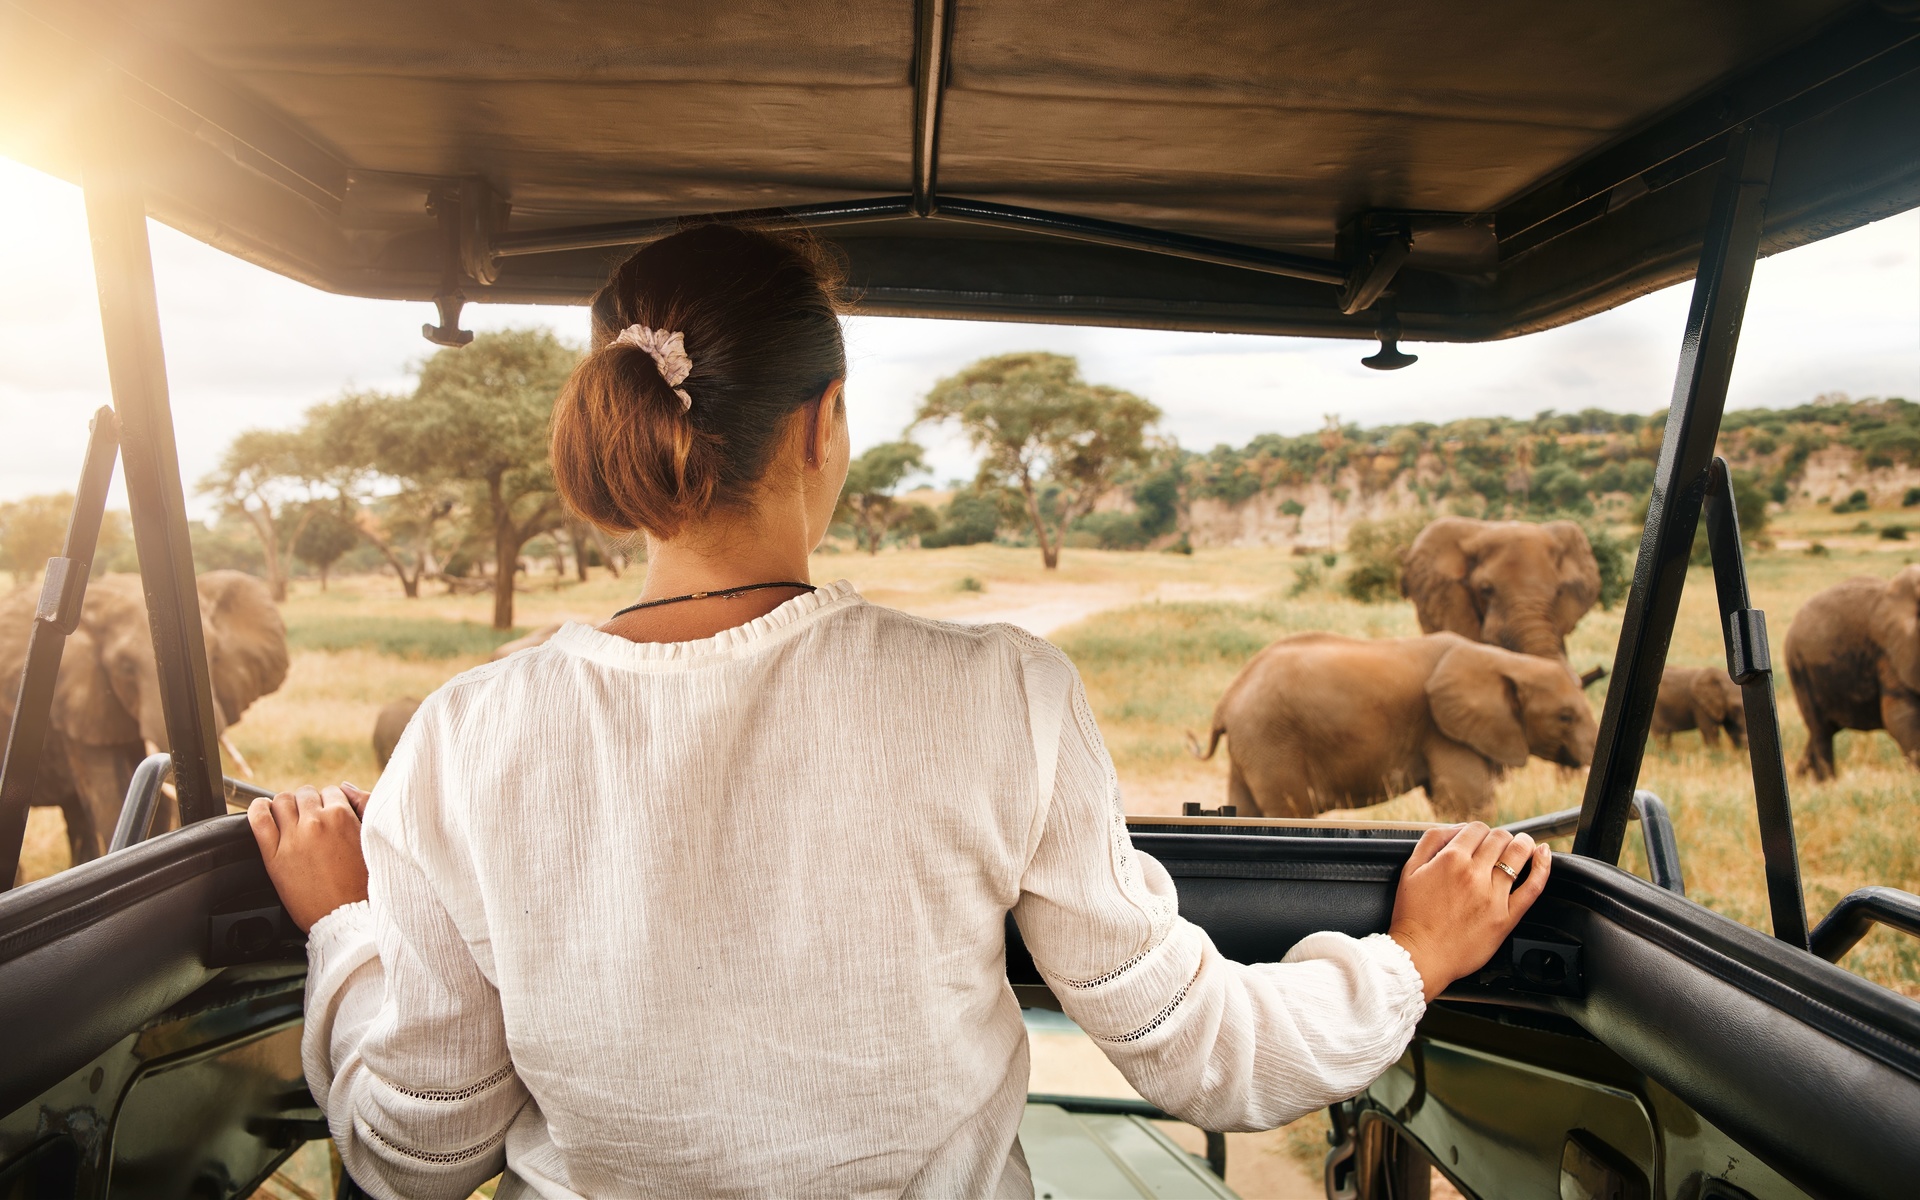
x=669, y=351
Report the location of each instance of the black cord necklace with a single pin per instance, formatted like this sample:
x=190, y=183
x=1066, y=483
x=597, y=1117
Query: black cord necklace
x=725, y=593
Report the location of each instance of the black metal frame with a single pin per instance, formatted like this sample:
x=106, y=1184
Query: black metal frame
x=1856, y=915
x=143, y=799
x=136, y=368
x=1656, y=832
x=1679, y=486
x=56, y=616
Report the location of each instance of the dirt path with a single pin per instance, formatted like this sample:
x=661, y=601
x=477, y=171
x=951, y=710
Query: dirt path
x=1044, y=608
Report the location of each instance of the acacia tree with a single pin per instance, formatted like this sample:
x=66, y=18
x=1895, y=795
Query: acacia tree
x=362, y=439
x=868, y=500
x=33, y=530
x=1038, y=423
x=267, y=477
x=480, y=418
x=327, y=533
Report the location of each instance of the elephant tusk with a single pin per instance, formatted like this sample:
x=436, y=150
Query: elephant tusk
x=153, y=748
x=240, y=763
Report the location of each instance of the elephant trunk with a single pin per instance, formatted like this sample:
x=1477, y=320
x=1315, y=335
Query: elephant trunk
x=1526, y=629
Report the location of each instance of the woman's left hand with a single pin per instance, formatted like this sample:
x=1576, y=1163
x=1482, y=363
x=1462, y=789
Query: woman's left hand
x=310, y=839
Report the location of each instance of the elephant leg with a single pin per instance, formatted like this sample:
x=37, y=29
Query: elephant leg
x=1239, y=794
x=1818, y=759
x=1459, y=784
x=1900, y=713
x=1709, y=731
x=84, y=843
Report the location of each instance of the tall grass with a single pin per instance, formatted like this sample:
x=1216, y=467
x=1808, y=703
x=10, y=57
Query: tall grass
x=399, y=637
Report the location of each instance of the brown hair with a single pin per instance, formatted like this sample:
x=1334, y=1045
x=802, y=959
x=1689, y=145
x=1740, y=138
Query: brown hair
x=759, y=313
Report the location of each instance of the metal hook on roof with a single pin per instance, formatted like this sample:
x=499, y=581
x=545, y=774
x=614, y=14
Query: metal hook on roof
x=1389, y=357
x=470, y=216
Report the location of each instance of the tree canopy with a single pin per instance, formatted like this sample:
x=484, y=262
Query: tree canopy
x=1042, y=429
x=868, y=501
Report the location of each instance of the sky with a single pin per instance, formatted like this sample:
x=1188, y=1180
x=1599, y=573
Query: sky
x=246, y=347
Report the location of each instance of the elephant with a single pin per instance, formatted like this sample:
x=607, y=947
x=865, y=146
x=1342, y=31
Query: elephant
x=1319, y=721
x=1703, y=698
x=389, y=725
x=1853, y=655
x=106, y=713
x=1512, y=584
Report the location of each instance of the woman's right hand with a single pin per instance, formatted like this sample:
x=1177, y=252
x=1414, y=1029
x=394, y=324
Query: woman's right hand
x=1455, y=907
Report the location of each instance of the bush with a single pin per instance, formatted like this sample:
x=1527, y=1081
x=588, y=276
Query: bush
x=1615, y=556
x=969, y=584
x=1115, y=530
x=969, y=519
x=1911, y=499
x=1375, y=548
x=1306, y=577
x=1894, y=533
x=1180, y=546
x=1856, y=501
x=1818, y=549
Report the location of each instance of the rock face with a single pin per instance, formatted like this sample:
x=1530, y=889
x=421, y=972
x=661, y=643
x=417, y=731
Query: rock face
x=1835, y=472
x=1366, y=491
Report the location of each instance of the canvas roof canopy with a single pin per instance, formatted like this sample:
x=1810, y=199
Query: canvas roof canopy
x=1252, y=165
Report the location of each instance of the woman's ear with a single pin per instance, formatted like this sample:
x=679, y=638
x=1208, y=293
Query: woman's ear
x=824, y=423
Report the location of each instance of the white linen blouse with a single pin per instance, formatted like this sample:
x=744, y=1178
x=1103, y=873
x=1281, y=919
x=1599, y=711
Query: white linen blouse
x=726, y=917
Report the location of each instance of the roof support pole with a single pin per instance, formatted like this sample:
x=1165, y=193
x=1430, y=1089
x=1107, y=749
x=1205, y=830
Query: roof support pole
x=932, y=34
x=1720, y=286
x=137, y=369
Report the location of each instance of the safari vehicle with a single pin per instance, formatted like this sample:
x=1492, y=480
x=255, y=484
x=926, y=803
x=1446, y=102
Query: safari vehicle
x=1433, y=171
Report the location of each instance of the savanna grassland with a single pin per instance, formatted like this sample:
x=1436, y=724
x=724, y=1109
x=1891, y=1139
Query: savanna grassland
x=1157, y=637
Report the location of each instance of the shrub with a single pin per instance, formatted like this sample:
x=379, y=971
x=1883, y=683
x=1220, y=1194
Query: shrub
x=1856, y=501
x=1181, y=546
x=1818, y=549
x=1894, y=533
x=969, y=519
x=1115, y=530
x=1375, y=548
x=1911, y=498
x=1306, y=577
x=969, y=584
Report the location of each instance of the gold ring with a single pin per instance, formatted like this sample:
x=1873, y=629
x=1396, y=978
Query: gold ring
x=1511, y=873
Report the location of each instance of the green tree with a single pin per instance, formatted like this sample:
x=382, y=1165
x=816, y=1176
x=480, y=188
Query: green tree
x=1040, y=424
x=266, y=477
x=33, y=530
x=868, y=501
x=362, y=439
x=479, y=418
x=327, y=533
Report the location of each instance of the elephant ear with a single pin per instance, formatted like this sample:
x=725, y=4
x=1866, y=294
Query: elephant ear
x=1709, y=693
x=1896, y=625
x=1579, y=574
x=1475, y=700
x=246, y=640
x=1434, y=576
x=85, y=709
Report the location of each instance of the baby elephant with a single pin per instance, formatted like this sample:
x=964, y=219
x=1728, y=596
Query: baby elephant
x=1317, y=721
x=389, y=725
x=1703, y=698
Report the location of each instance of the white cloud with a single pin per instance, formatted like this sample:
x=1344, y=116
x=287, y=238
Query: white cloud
x=247, y=347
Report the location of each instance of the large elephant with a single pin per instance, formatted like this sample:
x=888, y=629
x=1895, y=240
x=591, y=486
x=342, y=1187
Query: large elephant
x=1318, y=721
x=106, y=705
x=1703, y=698
x=1853, y=654
x=1506, y=583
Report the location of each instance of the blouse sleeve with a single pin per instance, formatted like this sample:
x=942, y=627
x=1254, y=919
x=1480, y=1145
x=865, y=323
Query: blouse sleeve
x=405, y=1046
x=1223, y=1045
